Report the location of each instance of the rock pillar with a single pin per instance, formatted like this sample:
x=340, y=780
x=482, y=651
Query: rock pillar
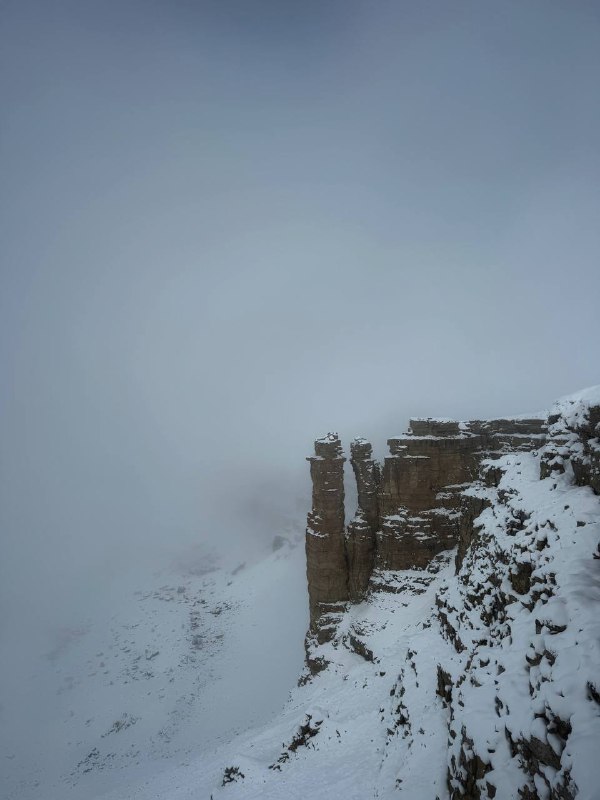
x=360, y=541
x=326, y=565
x=367, y=474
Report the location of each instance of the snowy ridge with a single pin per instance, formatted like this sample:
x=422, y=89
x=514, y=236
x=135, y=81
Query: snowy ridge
x=477, y=677
x=523, y=619
x=477, y=684
x=479, y=680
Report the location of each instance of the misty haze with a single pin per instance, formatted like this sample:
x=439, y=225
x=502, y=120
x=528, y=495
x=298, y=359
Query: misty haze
x=230, y=229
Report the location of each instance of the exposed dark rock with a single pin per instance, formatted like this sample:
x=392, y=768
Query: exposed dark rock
x=231, y=775
x=409, y=513
x=360, y=554
x=578, y=443
x=360, y=539
x=537, y=755
x=368, y=478
x=326, y=566
x=359, y=647
x=444, y=685
x=472, y=506
x=465, y=773
x=520, y=578
x=437, y=481
x=593, y=692
x=314, y=663
x=425, y=476
x=420, y=492
x=305, y=733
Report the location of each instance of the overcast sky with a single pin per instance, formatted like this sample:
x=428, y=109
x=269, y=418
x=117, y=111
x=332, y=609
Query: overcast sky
x=229, y=227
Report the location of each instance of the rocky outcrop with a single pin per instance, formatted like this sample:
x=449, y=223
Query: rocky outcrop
x=513, y=575
x=360, y=553
x=507, y=640
x=424, y=478
x=360, y=538
x=326, y=565
x=406, y=514
x=574, y=438
x=420, y=495
x=368, y=479
x=472, y=504
x=339, y=562
x=507, y=598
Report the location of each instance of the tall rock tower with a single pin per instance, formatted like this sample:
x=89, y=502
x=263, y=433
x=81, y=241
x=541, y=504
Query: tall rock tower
x=326, y=566
x=360, y=542
x=367, y=473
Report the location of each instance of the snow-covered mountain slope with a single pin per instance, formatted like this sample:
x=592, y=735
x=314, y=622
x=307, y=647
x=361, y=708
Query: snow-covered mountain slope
x=338, y=734
x=523, y=617
x=476, y=677
x=477, y=683
x=189, y=657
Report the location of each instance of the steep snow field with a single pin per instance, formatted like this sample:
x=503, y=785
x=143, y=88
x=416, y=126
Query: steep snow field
x=352, y=711
x=189, y=657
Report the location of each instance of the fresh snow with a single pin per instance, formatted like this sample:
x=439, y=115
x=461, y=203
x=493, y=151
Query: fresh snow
x=195, y=655
x=380, y=729
x=573, y=407
x=149, y=712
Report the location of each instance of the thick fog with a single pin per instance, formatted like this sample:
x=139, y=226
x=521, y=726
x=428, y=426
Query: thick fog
x=230, y=227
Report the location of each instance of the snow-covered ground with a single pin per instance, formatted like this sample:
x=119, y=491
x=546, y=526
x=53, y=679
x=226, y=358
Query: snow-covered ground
x=187, y=657
x=481, y=683
x=448, y=671
x=353, y=709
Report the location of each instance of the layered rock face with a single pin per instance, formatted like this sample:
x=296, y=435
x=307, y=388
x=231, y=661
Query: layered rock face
x=424, y=476
x=360, y=540
x=406, y=514
x=326, y=565
x=368, y=478
x=496, y=656
x=422, y=480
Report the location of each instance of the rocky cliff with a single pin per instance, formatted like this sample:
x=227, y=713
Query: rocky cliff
x=325, y=545
x=477, y=549
x=454, y=648
x=408, y=511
